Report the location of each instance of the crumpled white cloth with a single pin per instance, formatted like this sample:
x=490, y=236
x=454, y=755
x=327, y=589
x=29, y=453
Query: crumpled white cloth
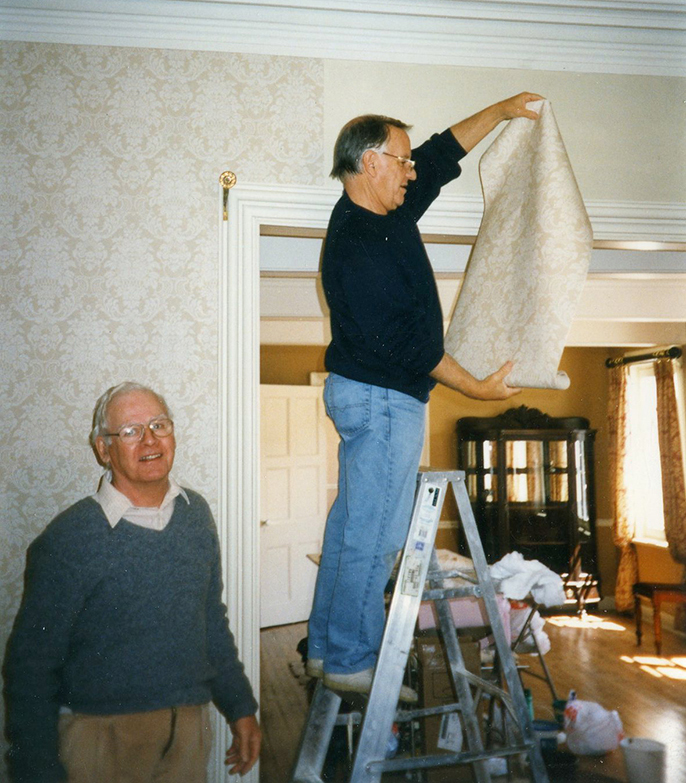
x=518, y=577
x=529, y=263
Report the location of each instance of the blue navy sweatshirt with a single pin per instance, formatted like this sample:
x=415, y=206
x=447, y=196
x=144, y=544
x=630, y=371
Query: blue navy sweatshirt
x=386, y=319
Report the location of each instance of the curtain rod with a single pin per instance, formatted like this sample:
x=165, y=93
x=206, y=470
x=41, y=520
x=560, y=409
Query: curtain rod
x=668, y=353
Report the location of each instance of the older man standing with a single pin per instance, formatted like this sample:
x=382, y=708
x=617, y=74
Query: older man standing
x=122, y=639
x=385, y=356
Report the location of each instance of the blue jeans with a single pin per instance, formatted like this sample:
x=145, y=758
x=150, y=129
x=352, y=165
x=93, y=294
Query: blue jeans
x=382, y=433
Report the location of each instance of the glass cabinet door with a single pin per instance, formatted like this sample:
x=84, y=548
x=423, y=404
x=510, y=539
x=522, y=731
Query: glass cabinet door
x=481, y=466
x=537, y=481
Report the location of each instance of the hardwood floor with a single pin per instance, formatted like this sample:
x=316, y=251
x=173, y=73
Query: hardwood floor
x=283, y=700
x=599, y=660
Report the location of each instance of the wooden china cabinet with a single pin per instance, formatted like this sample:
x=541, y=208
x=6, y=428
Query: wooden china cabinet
x=530, y=481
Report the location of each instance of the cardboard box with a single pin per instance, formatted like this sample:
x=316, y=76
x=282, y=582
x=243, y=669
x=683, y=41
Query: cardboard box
x=435, y=689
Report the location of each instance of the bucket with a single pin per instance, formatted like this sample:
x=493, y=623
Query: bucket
x=546, y=732
x=644, y=760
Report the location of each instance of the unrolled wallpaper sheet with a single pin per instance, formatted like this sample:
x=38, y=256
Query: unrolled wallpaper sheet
x=530, y=259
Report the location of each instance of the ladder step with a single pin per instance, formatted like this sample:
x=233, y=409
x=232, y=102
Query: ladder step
x=447, y=759
x=419, y=578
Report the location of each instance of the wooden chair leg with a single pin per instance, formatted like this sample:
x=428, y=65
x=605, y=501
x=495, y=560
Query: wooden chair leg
x=657, y=624
x=637, y=614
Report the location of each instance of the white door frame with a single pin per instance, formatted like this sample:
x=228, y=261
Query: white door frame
x=249, y=207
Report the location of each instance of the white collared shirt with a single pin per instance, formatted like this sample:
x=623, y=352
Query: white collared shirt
x=117, y=506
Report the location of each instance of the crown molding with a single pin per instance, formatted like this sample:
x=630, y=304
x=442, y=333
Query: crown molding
x=633, y=221
x=309, y=207
x=613, y=36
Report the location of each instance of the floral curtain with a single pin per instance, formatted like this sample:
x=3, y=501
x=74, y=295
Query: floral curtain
x=622, y=528
x=672, y=465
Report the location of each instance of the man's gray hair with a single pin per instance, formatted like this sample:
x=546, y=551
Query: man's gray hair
x=100, y=425
x=368, y=132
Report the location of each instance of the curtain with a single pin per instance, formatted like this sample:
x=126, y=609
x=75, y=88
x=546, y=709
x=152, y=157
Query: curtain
x=672, y=465
x=622, y=529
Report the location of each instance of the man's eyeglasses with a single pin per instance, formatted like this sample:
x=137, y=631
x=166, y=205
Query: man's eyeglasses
x=407, y=162
x=160, y=427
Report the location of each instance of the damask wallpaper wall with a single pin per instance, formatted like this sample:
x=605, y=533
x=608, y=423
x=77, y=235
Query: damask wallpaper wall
x=109, y=263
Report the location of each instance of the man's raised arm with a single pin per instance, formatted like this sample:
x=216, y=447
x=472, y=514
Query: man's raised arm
x=471, y=131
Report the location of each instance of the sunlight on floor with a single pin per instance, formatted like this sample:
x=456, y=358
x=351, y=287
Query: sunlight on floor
x=659, y=666
x=586, y=621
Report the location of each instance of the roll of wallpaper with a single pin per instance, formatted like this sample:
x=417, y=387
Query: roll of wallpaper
x=530, y=259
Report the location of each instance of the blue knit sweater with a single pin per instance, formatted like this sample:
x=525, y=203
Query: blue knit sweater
x=117, y=620
x=386, y=319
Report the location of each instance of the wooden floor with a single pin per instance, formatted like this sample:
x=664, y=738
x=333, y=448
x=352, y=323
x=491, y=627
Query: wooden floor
x=599, y=660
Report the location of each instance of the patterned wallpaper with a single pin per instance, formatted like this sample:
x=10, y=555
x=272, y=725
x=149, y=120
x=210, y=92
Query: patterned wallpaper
x=109, y=257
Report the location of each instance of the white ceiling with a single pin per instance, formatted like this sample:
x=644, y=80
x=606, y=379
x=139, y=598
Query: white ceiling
x=599, y=36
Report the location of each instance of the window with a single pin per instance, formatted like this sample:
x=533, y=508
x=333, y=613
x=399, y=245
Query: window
x=643, y=472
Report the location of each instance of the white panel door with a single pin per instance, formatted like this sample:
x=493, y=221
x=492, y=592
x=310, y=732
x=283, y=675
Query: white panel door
x=292, y=500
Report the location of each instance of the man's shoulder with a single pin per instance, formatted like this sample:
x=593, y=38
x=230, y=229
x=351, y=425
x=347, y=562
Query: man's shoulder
x=80, y=515
x=73, y=529
x=352, y=229
x=196, y=500
x=349, y=215
x=197, y=506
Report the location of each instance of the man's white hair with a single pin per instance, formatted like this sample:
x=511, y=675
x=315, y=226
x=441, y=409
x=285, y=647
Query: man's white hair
x=100, y=423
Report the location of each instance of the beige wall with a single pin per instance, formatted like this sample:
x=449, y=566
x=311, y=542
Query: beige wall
x=290, y=364
x=625, y=135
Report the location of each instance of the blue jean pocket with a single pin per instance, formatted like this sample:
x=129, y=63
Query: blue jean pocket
x=348, y=404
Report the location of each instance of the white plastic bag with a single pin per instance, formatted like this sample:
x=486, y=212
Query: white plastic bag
x=591, y=729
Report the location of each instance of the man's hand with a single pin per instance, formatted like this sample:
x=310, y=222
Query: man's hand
x=516, y=106
x=245, y=749
x=494, y=386
x=471, y=131
x=451, y=374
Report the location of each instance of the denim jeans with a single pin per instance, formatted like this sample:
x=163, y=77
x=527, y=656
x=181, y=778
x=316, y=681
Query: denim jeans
x=382, y=433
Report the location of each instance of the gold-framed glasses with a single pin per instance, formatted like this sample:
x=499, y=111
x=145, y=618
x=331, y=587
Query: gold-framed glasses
x=160, y=426
x=408, y=163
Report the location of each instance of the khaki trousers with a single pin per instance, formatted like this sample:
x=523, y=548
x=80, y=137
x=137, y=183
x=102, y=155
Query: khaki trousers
x=164, y=746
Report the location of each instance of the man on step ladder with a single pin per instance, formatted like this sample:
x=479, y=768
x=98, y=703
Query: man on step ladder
x=385, y=356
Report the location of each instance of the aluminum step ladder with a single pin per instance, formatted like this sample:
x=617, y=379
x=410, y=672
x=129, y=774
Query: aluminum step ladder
x=419, y=563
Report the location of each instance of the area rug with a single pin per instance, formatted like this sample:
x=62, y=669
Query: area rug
x=529, y=263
